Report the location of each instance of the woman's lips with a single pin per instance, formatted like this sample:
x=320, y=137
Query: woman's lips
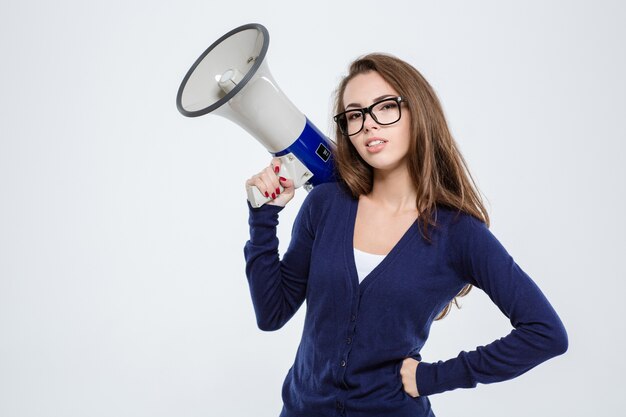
x=375, y=145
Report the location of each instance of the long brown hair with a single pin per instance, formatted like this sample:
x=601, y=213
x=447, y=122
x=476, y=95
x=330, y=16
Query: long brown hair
x=436, y=166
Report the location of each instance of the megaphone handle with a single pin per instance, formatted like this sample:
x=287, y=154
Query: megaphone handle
x=257, y=199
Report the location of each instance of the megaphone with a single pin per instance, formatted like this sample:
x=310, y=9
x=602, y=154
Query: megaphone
x=231, y=79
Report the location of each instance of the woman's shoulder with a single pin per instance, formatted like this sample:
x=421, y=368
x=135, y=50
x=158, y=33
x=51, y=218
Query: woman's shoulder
x=458, y=223
x=321, y=204
x=327, y=193
x=325, y=201
x=468, y=235
x=454, y=216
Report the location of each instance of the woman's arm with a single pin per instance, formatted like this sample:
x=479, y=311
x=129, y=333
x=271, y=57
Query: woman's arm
x=538, y=333
x=277, y=287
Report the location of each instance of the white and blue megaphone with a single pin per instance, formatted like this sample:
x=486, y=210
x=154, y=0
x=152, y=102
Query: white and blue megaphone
x=231, y=79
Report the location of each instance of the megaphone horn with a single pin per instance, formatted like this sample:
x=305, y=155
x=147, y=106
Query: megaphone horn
x=231, y=79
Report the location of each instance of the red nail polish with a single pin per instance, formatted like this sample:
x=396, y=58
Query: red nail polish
x=282, y=178
x=273, y=196
x=267, y=194
x=277, y=191
x=276, y=169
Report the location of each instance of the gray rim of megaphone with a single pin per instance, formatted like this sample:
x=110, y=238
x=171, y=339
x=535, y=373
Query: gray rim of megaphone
x=257, y=63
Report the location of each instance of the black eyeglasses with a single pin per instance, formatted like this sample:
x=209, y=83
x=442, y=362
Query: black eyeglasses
x=384, y=112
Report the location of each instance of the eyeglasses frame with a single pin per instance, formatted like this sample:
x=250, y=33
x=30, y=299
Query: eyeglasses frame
x=368, y=110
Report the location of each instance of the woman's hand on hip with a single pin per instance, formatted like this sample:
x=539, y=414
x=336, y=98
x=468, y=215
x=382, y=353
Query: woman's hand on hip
x=267, y=182
x=408, y=372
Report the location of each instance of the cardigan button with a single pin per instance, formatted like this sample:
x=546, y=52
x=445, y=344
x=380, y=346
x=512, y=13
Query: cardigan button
x=353, y=318
x=349, y=340
x=343, y=364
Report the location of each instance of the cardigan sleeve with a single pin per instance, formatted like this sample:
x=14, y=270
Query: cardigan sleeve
x=277, y=287
x=538, y=333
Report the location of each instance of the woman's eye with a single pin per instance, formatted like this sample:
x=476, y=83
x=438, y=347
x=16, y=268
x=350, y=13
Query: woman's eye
x=388, y=106
x=354, y=115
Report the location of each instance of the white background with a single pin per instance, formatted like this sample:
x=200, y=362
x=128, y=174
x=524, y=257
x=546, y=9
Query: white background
x=122, y=223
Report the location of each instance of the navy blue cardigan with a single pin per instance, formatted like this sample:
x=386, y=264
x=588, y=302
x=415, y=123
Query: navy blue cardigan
x=356, y=335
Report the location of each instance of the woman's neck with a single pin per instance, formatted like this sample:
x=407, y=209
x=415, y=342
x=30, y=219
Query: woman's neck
x=394, y=191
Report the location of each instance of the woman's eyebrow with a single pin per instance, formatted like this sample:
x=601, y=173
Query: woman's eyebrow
x=358, y=105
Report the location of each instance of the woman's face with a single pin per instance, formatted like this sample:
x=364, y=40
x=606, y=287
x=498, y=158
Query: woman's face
x=384, y=147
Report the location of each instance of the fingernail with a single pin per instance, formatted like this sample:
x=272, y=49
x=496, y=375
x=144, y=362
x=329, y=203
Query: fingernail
x=277, y=191
x=267, y=194
x=273, y=195
x=282, y=178
x=276, y=169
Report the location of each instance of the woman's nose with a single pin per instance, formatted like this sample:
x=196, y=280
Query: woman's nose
x=369, y=122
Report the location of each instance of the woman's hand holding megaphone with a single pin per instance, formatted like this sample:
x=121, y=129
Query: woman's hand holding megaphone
x=271, y=184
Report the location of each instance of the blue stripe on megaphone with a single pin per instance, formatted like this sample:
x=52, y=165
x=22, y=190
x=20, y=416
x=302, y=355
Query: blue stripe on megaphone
x=315, y=151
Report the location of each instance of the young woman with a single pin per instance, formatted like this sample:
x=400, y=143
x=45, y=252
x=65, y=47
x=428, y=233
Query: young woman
x=382, y=253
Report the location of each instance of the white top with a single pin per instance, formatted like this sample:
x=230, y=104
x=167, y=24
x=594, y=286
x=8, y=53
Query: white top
x=366, y=262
